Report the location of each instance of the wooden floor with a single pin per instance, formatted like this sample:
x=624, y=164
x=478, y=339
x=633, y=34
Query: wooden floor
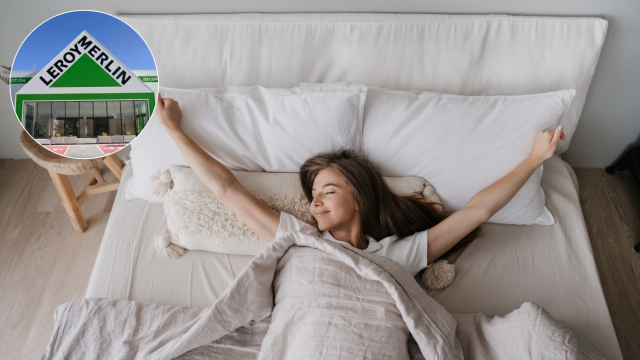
x=611, y=208
x=45, y=263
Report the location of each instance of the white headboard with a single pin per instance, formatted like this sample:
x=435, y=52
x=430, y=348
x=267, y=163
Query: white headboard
x=460, y=54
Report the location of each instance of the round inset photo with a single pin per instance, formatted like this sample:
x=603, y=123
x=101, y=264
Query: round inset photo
x=84, y=84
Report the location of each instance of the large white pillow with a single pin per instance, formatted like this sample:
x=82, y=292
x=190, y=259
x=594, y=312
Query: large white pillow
x=463, y=144
x=252, y=128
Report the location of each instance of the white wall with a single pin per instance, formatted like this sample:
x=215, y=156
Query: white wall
x=610, y=120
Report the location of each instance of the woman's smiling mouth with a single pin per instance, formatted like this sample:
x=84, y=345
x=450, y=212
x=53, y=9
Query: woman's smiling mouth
x=318, y=214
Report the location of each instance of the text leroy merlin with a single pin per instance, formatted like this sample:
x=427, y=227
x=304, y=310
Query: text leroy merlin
x=75, y=52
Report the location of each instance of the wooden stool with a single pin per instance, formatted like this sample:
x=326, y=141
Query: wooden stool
x=59, y=167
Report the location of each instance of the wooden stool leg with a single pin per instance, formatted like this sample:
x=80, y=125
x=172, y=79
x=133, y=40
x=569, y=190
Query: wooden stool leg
x=69, y=200
x=114, y=164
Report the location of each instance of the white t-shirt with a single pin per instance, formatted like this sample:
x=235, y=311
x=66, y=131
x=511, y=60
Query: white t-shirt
x=410, y=251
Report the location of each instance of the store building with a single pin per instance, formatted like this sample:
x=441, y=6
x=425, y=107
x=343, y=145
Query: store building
x=84, y=95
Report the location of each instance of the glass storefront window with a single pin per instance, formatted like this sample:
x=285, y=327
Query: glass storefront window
x=100, y=119
x=44, y=125
x=58, y=109
x=128, y=118
x=86, y=119
x=29, y=117
x=142, y=114
x=72, y=116
x=115, y=120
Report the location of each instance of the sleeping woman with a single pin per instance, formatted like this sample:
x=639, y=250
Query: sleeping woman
x=353, y=205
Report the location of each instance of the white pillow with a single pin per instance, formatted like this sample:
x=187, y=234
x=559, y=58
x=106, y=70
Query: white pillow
x=463, y=144
x=252, y=128
x=198, y=220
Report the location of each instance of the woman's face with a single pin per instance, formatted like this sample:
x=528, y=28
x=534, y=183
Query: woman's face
x=332, y=204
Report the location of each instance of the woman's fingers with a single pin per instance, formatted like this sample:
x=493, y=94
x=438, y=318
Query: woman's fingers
x=560, y=130
x=164, y=102
x=546, y=142
x=160, y=102
x=556, y=135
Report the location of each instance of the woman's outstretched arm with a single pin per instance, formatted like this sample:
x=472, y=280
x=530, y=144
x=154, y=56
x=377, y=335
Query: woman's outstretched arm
x=257, y=215
x=491, y=199
x=497, y=195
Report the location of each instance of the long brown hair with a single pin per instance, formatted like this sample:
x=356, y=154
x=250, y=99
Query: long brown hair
x=383, y=212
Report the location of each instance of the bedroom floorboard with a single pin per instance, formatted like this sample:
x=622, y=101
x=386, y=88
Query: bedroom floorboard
x=45, y=263
x=611, y=208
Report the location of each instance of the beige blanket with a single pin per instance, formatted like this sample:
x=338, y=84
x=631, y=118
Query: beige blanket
x=309, y=298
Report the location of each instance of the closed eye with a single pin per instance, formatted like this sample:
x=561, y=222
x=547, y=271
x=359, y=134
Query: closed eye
x=331, y=192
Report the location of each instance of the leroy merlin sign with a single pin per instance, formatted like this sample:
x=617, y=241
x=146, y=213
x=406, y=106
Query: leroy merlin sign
x=87, y=55
x=84, y=70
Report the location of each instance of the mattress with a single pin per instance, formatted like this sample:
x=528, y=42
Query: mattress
x=552, y=266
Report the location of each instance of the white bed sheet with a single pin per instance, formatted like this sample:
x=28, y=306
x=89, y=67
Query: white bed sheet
x=552, y=266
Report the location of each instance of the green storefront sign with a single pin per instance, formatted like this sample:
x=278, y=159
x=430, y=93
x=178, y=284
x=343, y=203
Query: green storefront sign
x=20, y=80
x=24, y=80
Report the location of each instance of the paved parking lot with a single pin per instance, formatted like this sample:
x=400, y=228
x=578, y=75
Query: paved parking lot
x=85, y=151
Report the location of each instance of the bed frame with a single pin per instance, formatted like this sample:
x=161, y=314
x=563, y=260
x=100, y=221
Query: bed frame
x=461, y=54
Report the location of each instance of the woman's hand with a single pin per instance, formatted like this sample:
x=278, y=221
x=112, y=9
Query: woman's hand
x=168, y=113
x=546, y=142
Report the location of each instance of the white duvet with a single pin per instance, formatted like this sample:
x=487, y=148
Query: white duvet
x=308, y=298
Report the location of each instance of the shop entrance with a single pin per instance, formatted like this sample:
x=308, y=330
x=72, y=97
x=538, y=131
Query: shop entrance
x=85, y=119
